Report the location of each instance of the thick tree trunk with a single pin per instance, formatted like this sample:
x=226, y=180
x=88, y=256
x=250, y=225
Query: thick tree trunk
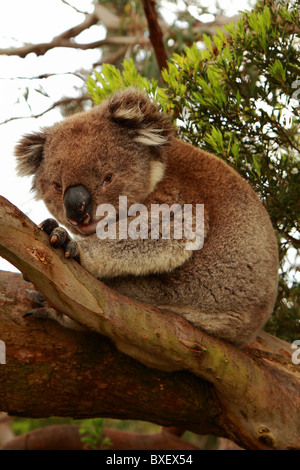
x=54, y=371
x=250, y=396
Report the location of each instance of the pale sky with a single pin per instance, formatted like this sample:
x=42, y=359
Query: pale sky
x=35, y=21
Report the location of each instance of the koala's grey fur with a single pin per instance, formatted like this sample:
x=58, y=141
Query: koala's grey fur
x=227, y=288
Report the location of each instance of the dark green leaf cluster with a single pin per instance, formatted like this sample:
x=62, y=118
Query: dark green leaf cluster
x=91, y=432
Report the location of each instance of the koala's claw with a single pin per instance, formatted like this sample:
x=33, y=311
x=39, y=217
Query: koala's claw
x=43, y=311
x=35, y=297
x=71, y=249
x=48, y=225
x=59, y=238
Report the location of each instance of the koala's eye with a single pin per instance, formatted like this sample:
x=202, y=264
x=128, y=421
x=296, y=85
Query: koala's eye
x=58, y=187
x=107, y=179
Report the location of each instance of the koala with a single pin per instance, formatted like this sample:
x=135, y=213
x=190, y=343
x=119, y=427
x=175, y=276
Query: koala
x=127, y=147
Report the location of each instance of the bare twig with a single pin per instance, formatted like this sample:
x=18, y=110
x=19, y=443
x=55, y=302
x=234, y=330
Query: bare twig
x=100, y=14
x=294, y=241
x=74, y=8
x=47, y=75
x=61, y=102
x=90, y=20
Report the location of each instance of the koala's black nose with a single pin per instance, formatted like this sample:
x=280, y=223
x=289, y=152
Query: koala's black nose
x=78, y=204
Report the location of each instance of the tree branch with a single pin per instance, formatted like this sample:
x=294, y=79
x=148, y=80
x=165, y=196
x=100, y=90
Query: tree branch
x=74, y=8
x=54, y=371
x=90, y=20
x=42, y=48
x=155, y=32
x=62, y=102
x=48, y=75
x=251, y=386
x=65, y=39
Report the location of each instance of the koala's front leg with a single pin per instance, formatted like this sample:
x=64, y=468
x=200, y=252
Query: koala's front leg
x=59, y=238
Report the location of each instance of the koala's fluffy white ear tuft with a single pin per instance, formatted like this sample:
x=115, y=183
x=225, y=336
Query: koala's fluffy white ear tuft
x=134, y=110
x=29, y=153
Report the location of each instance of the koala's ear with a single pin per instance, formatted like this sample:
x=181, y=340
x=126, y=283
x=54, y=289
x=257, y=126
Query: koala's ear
x=133, y=109
x=29, y=153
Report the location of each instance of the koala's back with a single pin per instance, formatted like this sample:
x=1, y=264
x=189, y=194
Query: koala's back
x=228, y=287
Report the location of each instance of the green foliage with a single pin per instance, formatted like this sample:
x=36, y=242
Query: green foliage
x=236, y=95
x=24, y=425
x=91, y=431
x=111, y=79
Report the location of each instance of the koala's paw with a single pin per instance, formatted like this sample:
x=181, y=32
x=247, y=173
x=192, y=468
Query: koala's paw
x=59, y=238
x=43, y=310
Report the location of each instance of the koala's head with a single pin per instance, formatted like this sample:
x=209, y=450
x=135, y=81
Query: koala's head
x=92, y=158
